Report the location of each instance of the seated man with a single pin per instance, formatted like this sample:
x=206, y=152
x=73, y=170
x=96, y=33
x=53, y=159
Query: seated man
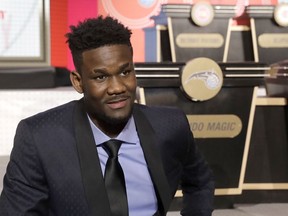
x=65, y=160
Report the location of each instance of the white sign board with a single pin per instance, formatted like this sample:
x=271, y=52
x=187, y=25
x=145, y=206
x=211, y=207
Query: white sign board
x=24, y=33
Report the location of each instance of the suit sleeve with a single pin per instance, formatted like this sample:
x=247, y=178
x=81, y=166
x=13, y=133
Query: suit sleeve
x=25, y=190
x=197, y=182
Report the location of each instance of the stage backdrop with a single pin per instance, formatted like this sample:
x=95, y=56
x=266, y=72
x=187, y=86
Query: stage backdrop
x=134, y=13
x=137, y=15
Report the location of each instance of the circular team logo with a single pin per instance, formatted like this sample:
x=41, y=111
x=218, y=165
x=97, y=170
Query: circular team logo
x=201, y=79
x=281, y=14
x=137, y=18
x=202, y=13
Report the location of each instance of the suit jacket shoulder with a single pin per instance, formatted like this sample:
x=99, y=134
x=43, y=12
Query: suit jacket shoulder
x=43, y=173
x=184, y=165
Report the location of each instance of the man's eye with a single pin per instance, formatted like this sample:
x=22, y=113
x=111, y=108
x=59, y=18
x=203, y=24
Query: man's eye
x=101, y=77
x=126, y=72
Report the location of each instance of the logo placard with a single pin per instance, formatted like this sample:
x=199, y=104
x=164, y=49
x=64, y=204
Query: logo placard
x=215, y=126
x=201, y=79
x=202, y=13
x=281, y=14
x=198, y=40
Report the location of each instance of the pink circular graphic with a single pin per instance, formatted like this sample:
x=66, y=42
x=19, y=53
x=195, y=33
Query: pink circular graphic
x=141, y=15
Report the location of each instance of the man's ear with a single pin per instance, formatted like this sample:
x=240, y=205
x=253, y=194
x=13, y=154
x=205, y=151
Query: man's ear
x=76, y=81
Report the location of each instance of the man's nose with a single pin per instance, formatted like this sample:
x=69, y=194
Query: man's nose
x=116, y=85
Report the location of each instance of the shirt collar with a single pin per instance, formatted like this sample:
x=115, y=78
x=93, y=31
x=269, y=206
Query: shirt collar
x=127, y=135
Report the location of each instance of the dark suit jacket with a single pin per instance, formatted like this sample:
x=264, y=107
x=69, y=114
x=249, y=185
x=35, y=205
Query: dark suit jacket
x=54, y=166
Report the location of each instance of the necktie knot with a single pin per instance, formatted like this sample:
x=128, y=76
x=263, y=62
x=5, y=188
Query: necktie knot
x=112, y=147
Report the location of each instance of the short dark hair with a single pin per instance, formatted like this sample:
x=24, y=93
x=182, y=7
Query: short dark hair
x=93, y=33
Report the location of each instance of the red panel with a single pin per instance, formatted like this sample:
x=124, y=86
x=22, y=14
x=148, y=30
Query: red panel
x=58, y=25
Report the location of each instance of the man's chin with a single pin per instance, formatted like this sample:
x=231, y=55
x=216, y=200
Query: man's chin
x=117, y=120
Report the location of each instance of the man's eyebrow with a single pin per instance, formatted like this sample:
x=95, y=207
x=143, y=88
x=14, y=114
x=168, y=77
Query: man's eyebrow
x=99, y=70
x=124, y=66
x=120, y=69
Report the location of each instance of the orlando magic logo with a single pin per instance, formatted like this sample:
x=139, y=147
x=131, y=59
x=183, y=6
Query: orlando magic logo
x=201, y=79
x=210, y=78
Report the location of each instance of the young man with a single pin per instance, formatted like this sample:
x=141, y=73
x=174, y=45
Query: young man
x=58, y=161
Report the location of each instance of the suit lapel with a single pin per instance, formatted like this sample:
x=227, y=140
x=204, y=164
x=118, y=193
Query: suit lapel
x=89, y=162
x=153, y=159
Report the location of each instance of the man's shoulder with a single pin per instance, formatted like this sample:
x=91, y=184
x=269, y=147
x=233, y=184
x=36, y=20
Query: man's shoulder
x=158, y=108
x=53, y=113
x=164, y=118
x=160, y=111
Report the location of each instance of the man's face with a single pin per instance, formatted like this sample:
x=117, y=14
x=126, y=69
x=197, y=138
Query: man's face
x=108, y=82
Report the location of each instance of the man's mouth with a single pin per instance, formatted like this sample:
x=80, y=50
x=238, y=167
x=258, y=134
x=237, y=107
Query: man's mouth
x=118, y=103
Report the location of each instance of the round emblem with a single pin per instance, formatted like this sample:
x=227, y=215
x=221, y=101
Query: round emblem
x=201, y=79
x=139, y=17
x=281, y=14
x=202, y=13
